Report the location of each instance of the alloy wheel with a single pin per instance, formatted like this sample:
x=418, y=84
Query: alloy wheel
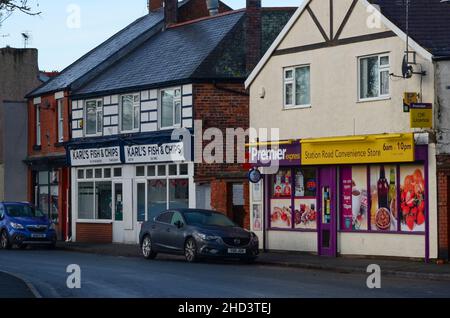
x=190, y=251
x=4, y=240
x=146, y=247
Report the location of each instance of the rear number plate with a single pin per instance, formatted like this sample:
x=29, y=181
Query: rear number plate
x=38, y=235
x=237, y=251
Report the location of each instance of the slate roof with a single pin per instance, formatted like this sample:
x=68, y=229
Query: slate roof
x=101, y=53
x=429, y=22
x=208, y=48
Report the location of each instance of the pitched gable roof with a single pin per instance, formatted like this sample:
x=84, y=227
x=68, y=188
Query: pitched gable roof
x=429, y=22
x=101, y=53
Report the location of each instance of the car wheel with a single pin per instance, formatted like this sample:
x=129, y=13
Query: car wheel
x=190, y=250
x=147, y=249
x=4, y=241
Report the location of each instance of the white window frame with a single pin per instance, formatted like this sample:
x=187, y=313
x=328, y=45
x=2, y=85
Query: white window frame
x=176, y=99
x=381, y=69
x=60, y=105
x=291, y=81
x=136, y=104
x=98, y=109
x=38, y=125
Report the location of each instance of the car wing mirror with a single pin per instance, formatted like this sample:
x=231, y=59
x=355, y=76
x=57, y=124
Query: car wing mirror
x=179, y=224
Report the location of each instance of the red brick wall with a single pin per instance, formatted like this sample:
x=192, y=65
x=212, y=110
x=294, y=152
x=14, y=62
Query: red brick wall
x=443, y=205
x=192, y=10
x=49, y=126
x=222, y=106
x=94, y=233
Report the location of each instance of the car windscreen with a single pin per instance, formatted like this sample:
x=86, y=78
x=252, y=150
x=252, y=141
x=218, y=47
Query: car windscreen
x=21, y=210
x=207, y=219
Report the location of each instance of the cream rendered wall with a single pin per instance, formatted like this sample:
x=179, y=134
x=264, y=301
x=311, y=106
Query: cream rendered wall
x=292, y=241
x=335, y=110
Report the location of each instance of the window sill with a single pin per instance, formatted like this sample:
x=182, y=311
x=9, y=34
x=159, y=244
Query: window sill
x=296, y=107
x=94, y=221
x=37, y=148
x=59, y=144
x=377, y=99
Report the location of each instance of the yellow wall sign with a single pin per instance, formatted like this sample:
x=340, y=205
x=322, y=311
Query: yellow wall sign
x=421, y=115
x=358, y=149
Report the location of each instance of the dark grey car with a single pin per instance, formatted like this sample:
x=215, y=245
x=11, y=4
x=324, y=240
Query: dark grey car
x=197, y=234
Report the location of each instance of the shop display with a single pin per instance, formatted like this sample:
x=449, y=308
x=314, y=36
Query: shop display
x=354, y=198
x=383, y=198
x=299, y=184
x=257, y=220
x=281, y=213
x=412, y=203
x=305, y=214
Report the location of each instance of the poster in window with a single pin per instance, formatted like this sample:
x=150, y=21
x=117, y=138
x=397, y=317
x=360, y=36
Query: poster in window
x=305, y=216
x=383, y=188
x=412, y=198
x=257, y=192
x=281, y=213
x=282, y=184
x=354, y=198
x=257, y=218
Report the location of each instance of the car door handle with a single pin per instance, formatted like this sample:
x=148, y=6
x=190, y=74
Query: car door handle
x=167, y=230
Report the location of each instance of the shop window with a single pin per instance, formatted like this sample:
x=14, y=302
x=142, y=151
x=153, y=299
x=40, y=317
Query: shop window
x=173, y=170
x=80, y=174
x=184, y=170
x=103, y=192
x=117, y=172
x=161, y=171
x=305, y=203
x=157, y=197
x=412, y=198
x=89, y=174
x=373, y=77
x=354, y=198
x=95, y=200
x=178, y=194
x=140, y=171
x=86, y=200
x=107, y=173
x=383, y=192
x=281, y=200
x=98, y=173
x=47, y=191
x=297, y=87
x=151, y=171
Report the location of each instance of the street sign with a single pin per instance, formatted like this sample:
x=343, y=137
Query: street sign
x=421, y=115
x=408, y=99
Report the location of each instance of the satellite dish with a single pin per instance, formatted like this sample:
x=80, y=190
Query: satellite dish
x=407, y=70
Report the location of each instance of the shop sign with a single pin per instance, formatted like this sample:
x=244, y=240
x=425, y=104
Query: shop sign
x=421, y=115
x=283, y=154
x=358, y=149
x=95, y=156
x=170, y=152
x=408, y=99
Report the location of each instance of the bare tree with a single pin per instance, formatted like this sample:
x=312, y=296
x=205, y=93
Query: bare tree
x=7, y=7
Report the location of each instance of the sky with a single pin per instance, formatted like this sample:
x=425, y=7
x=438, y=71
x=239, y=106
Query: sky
x=67, y=29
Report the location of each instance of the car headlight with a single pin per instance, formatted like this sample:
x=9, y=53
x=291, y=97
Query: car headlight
x=206, y=237
x=16, y=226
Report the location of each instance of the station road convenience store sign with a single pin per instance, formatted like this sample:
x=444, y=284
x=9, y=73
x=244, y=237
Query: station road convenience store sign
x=358, y=149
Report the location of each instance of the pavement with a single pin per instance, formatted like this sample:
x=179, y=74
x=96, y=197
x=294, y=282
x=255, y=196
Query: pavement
x=399, y=267
x=12, y=286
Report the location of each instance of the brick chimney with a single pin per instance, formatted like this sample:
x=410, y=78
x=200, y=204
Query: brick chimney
x=155, y=5
x=170, y=11
x=253, y=34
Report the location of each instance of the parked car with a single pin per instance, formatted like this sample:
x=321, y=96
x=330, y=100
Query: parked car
x=197, y=234
x=22, y=224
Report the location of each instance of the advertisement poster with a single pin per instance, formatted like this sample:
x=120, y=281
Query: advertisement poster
x=257, y=192
x=280, y=213
x=412, y=198
x=383, y=187
x=354, y=198
x=257, y=218
x=305, y=216
x=282, y=186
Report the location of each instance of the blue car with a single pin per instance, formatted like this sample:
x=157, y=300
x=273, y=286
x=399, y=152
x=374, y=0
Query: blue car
x=22, y=224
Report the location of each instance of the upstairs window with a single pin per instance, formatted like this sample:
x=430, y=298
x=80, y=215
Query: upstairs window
x=373, y=77
x=38, y=125
x=130, y=113
x=297, y=87
x=60, y=120
x=94, y=117
x=171, y=108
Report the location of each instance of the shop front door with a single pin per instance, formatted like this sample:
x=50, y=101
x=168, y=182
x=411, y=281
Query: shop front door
x=327, y=211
